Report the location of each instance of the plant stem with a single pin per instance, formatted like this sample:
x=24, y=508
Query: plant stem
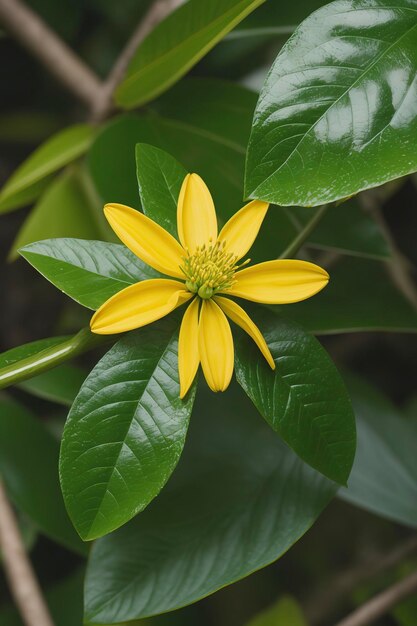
x=54, y=54
x=45, y=360
x=382, y=603
x=304, y=234
x=330, y=594
x=18, y=569
x=155, y=14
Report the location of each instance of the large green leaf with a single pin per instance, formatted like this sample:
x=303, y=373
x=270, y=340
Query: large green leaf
x=304, y=399
x=60, y=385
x=346, y=229
x=239, y=500
x=205, y=124
x=29, y=468
x=160, y=178
x=359, y=297
x=338, y=111
x=59, y=150
x=64, y=210
x=384, y=475
x=88, y=271
x=125, y=431
x=176, y=44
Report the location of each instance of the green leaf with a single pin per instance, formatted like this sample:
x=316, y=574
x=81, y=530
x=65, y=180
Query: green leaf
x=26, y=196
x=90, y=272
x=205, y=124
x=176, y=45
x=304, y=399
x=238, y=500
x=59, y=150
x=29, y=468
x=125, y=432
x=345, y=229
x=160, y=178
x=337, y=113
x=384, y=475
x=64, y=210
x=60, y=385
x=286, y=611
x=359, y=297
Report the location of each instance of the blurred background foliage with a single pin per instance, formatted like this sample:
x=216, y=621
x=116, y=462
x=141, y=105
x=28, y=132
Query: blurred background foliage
x=205, y=124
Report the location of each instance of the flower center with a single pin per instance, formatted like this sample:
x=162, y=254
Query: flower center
x=209, y=270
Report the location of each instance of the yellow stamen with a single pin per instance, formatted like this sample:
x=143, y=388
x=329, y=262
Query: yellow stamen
x=209, y=269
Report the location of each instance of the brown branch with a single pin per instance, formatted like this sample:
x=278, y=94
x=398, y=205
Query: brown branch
x=382, y=603
x=399, y=266
x=54, y=54
x=155, y=14
x=331, y=594
x=23, y=584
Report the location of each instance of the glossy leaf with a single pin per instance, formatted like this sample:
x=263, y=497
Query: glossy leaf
x=338, y=111
x=238, y=500
x=64, y=210
x=29, y=468
x=205, y=124
x=384, y=475
x=60, y=385
x=160, y=178
x=286, y=611
x=125, y=431
x=359, y=297
x=345, y=229
x=59, y=150
x=176, y=44
x=304, y=399
x=90, y=272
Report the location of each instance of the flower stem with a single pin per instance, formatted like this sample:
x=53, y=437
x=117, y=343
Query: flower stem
x=304, y=234
x=45, y=360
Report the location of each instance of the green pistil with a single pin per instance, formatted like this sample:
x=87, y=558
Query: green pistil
x=209, y=270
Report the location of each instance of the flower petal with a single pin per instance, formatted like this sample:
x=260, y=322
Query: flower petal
x=188, y=354
x=145, y=238
x=241, y=230
x=242, y=319
x=196, y=215
x=279, y=282
x=215, y=344
x=138, y=305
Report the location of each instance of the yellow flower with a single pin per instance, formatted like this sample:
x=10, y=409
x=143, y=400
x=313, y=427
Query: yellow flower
x=202, y=266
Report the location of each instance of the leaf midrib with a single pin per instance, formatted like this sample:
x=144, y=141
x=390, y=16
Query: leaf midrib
x=123, y=441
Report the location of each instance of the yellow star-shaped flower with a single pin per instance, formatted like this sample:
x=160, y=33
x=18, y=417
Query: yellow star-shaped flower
x=205, y=268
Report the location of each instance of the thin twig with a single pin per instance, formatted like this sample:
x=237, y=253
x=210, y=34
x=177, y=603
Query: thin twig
x=47, y=47
x=399, y=266
x=155, y=14
x=382, y=603
x=22, y=580
x=332, y=593
x=304, y=234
